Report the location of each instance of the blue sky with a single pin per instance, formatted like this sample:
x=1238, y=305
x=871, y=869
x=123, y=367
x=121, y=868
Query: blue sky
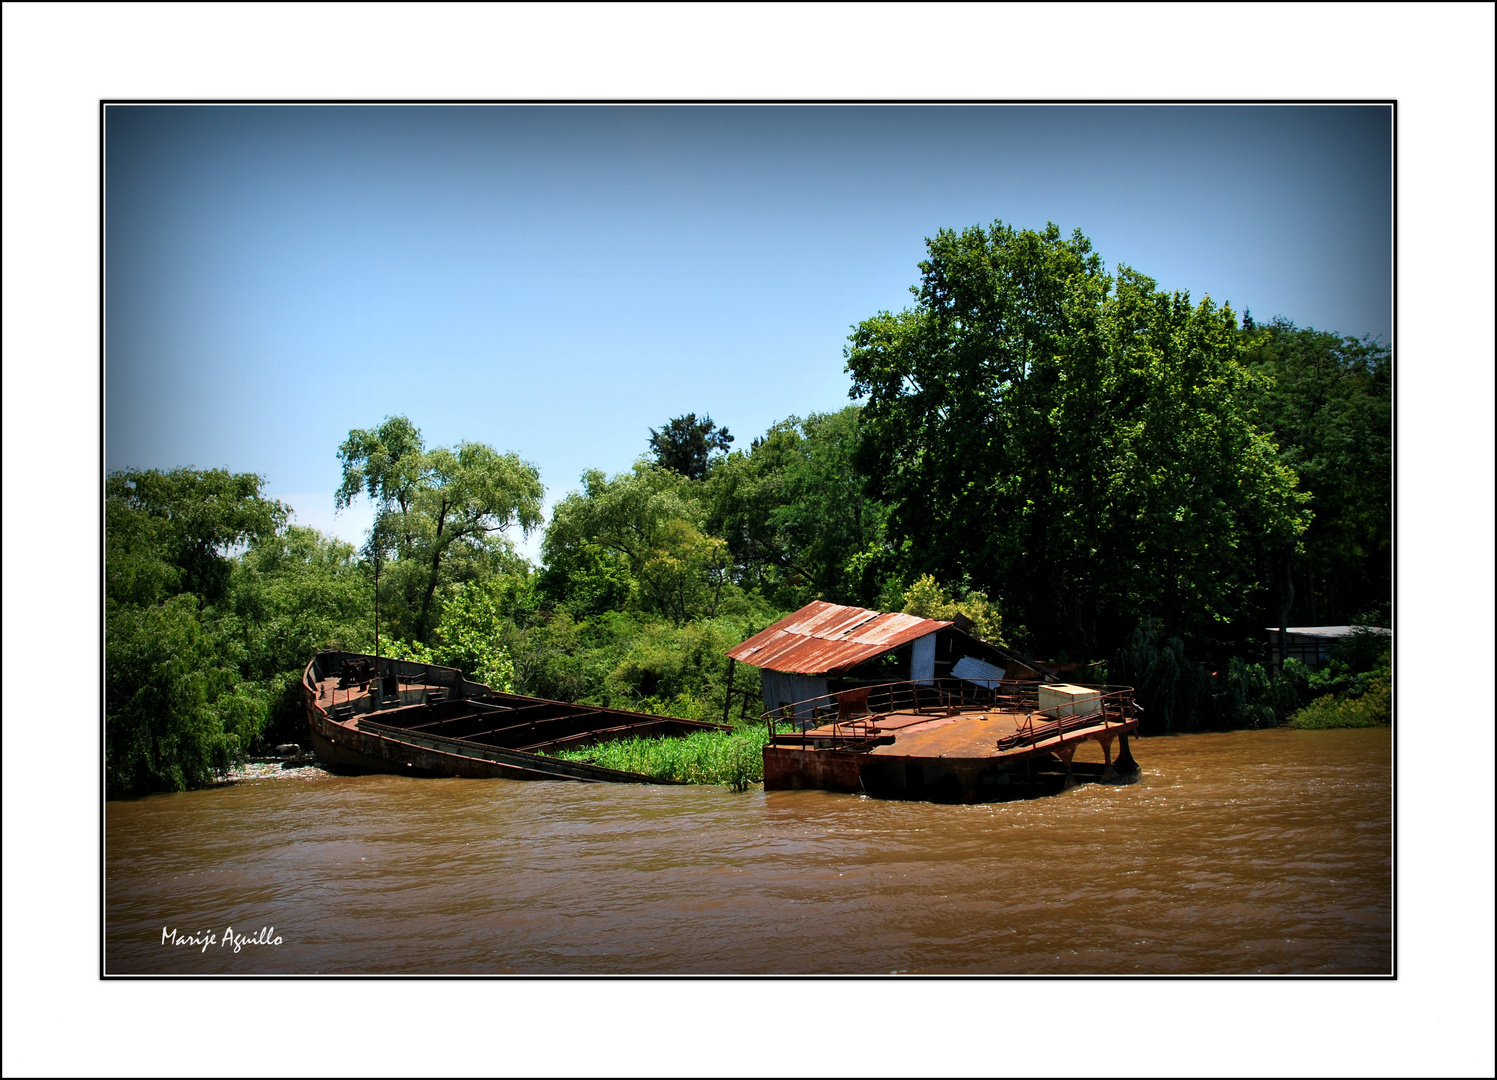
x=557, y=280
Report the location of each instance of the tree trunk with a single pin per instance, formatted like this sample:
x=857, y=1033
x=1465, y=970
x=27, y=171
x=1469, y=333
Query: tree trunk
x=431, y=586
x=1284, y=612
x=728, y=697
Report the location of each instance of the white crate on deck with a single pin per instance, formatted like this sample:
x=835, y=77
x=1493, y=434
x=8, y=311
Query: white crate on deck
x=1067, y=699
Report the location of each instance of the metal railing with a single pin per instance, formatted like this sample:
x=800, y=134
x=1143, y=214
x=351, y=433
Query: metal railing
x=1114, y=704
x=851, y=715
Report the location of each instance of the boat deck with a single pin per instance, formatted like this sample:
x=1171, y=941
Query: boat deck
x=988, y=733
x=970, y=735
x=330, y=696
x=932, y=741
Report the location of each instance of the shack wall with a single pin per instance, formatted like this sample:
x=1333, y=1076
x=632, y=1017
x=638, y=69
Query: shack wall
x=785, y=687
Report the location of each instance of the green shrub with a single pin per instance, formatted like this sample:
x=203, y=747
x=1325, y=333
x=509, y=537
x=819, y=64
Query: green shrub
x=166, y=699
x=1371, y=708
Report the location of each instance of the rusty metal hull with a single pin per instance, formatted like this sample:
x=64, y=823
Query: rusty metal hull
x=425, y=720
x=349, y=750
x=789, y=768
x=939, y=780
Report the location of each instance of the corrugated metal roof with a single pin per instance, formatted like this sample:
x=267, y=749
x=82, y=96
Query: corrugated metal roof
x=822, y=638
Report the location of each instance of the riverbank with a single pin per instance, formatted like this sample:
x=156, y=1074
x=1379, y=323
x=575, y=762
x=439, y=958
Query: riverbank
x=271, y=769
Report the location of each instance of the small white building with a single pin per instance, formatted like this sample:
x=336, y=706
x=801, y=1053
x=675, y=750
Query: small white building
x=1311, y=645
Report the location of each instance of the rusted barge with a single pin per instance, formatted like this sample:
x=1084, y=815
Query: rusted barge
x=905, y=707
x=951, y=740
x=397, y=716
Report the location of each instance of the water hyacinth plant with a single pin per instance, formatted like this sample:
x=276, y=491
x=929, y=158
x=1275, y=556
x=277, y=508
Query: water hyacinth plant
x=734, y=758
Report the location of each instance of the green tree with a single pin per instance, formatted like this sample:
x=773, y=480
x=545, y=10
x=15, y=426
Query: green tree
x=685, y=445
x=796, y=514
x=650, y=522
x=585, y=577
x=473, y=631
x=167, y=696
x=1328, y=402
x=386, y=463
x=435, y=508
x=290, y=596
x=177, y=708
x=170, y=532
x=1071, y=441
x=928, y=599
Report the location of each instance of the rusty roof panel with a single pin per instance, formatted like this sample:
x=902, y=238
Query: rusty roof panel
x=823, y=638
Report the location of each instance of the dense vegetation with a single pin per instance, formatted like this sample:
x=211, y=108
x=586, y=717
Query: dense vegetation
x=735, y=759
x=1089, y=467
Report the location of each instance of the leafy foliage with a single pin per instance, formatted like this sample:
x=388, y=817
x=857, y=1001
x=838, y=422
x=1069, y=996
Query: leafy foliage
x=1355, y=689
x=441, y=512
x=1328, y=402
x=643, y=528
x=796, y=513
x=685, y=445
x=732, y=758
x=929, y=600
x=634, y=661
x=471, y=635
x=171, y=532
x=289, y=596
x=180, y=704
x=1370, y=709
x=1181, y=695
x=167, y=699
x=1070, y=440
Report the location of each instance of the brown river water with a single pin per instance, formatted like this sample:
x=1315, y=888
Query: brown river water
x=1245, y=852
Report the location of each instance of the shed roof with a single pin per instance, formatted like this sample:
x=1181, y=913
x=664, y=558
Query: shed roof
x=822, y=638
x=1331, y=631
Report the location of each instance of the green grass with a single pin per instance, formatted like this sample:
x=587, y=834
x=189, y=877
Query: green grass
x=734, y=758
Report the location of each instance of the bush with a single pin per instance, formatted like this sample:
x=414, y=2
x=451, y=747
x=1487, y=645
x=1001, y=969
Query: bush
x=1247, y=695
x=1169, y=687
x=623, y=660
x=929, y=600
x=166, y=700
x=1372, y=707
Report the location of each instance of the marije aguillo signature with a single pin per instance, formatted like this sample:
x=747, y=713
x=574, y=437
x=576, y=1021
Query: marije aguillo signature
x=228, y=939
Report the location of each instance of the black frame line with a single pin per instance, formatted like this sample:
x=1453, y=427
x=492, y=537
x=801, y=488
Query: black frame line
x=1392, y=103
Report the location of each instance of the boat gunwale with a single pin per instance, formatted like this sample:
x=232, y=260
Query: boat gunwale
x=533, y=765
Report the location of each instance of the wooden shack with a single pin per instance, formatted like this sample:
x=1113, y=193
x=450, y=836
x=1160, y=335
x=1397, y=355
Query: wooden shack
x=826, y=648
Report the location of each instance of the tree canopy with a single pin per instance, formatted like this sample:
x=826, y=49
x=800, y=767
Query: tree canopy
x=434, y=508
x=1071, y=442
x=1327, y=401
x=796, y=513
x=685, y=445
x=171, y=532
x=641, y=534
x=213, y=604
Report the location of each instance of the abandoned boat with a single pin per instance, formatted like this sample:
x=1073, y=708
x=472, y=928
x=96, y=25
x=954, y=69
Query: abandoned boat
x=952, y=740
x=414, y=719
x=900, y=706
